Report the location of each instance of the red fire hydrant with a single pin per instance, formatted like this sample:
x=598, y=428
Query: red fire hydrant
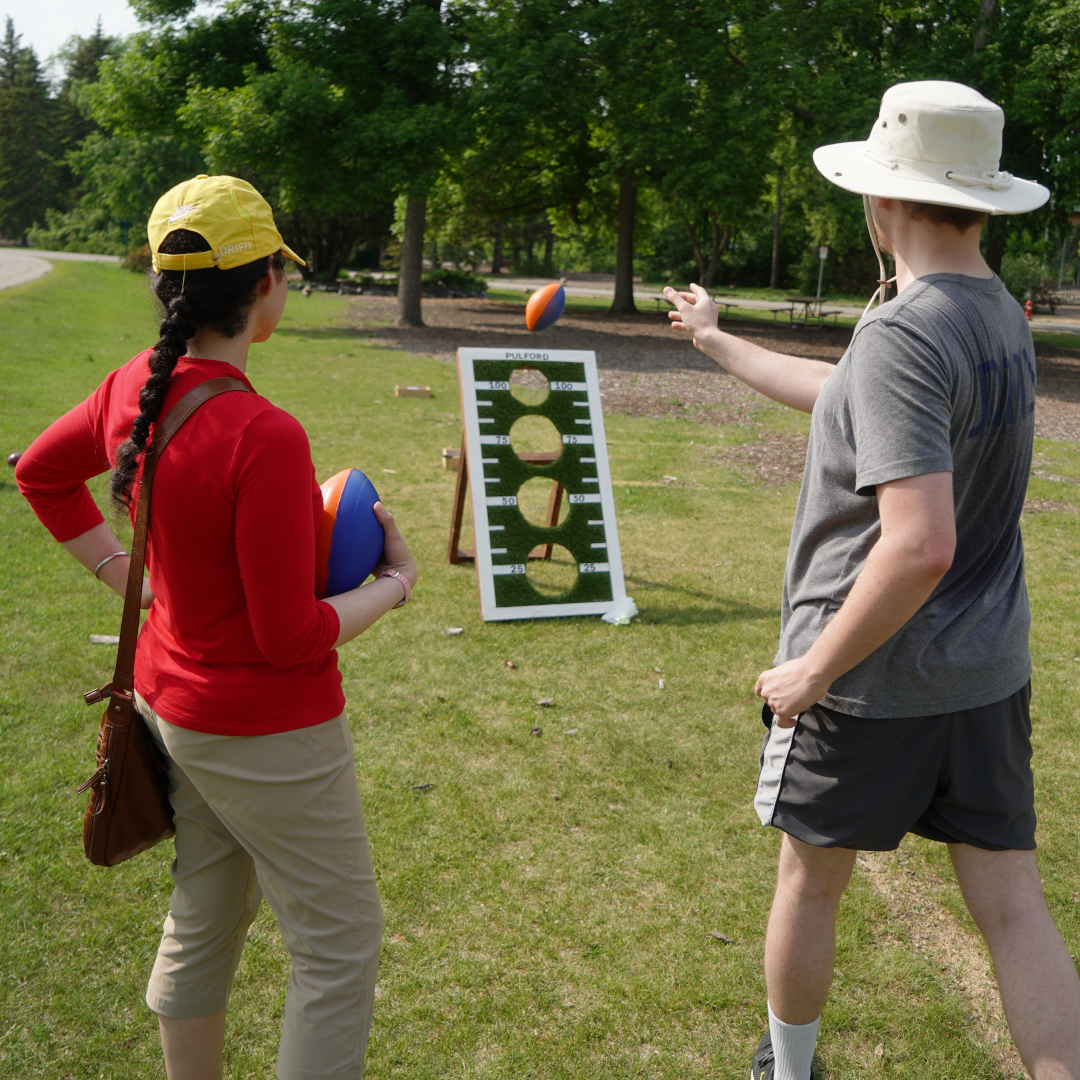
x=1029, y=308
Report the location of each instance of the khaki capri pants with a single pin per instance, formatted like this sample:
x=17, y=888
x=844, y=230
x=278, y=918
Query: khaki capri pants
x=276, y=816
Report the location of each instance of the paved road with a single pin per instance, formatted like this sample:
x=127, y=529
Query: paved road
x=18, y=265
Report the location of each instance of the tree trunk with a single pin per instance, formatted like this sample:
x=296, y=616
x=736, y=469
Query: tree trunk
x=719, y=246
x=987, y=11
x=549, y=248
x=774, y=276
x=697, y=252
x=496, y=248
x=434, y=254
x=412, y=264
x=996, y=236
x=623, y=304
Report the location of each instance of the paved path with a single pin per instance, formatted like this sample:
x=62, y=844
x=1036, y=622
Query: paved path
x=18, y=265
x=642, y=292
x=574, y=288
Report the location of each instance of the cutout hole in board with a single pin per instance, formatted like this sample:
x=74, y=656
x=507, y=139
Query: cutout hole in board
x=529, y=386
x=555, y=576
x=533, y=497
x=534, y=435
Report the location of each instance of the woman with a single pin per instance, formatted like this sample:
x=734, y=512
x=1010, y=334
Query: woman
x=236, y=675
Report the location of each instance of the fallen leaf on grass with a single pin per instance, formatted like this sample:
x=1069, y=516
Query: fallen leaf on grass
x=572, y=731
x=104, y=639
x=511, y=664
x=537, y=731
x=453, y=631
x=546, y=702
x=721, y=937
x=661, y=685
x=879, y=1050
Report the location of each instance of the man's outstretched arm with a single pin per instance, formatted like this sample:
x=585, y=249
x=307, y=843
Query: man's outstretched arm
x=913, y=553
x=791, y=380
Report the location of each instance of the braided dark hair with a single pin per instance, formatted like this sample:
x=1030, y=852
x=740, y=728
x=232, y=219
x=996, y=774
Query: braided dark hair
x=220, y=299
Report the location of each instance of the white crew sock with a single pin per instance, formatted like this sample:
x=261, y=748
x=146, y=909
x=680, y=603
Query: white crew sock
x=793, y=1048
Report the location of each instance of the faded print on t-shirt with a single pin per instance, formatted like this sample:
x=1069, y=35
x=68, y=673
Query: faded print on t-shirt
x=942, y=378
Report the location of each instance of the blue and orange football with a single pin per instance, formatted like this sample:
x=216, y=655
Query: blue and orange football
x=545, y=306
x=349, y=542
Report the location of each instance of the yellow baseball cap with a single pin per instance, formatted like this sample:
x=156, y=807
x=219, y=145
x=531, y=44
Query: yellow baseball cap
x=228, y=213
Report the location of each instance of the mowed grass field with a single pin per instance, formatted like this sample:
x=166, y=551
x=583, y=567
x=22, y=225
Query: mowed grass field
x=551, y=901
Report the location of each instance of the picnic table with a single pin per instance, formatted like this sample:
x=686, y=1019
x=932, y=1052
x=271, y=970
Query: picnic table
x=811, y=309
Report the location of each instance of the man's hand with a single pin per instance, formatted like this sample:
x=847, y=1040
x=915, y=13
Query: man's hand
x=694, y=312
x=912, y=554
x=790, y=689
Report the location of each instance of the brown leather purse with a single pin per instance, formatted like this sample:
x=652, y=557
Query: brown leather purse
x=129, y=807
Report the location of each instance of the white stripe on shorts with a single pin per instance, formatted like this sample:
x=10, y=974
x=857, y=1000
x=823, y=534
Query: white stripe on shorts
x=773, y=760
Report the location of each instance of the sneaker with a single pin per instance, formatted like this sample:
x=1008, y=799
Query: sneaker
x=761, y=1067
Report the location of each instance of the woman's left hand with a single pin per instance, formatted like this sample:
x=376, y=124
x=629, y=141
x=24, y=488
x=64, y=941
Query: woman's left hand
x=396, y=554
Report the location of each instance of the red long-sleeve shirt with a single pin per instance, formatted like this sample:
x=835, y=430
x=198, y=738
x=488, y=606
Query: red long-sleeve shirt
x=235, y=642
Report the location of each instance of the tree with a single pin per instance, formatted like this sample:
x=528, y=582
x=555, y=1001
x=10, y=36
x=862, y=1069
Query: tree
x=28, y=172
x=400, y=65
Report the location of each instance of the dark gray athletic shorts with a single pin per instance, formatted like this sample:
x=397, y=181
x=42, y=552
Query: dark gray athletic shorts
x=845, y=781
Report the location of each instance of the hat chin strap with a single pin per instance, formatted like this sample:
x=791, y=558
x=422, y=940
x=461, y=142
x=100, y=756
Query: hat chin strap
x=883, y=281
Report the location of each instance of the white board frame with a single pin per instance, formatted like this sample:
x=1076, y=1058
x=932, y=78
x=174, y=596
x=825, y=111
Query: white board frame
x=485, y=566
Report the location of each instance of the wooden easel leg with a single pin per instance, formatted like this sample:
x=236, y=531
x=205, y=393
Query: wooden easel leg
x=453, y=553
x=554, y=505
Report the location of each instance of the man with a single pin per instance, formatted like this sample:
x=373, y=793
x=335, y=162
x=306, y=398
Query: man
x=899, y=700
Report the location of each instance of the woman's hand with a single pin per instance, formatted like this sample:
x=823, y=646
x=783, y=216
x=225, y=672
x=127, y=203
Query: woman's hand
x=359, y=608
x=396, y=554
x=694, y=312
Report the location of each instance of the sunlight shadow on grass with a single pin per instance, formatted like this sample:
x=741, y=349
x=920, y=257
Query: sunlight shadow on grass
x=721, y=610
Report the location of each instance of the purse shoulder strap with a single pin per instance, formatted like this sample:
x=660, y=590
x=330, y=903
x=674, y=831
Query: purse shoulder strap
x=124, y=675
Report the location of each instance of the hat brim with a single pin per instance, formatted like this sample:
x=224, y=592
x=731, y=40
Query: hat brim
x=847, y=166
x=290, y=254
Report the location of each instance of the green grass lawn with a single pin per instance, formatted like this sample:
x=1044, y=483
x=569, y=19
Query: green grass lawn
x=549, y=900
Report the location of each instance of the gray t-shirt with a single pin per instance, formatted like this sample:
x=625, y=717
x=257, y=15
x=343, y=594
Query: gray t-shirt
x=940, y=379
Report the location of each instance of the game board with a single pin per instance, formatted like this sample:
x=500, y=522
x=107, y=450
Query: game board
x=504, y=538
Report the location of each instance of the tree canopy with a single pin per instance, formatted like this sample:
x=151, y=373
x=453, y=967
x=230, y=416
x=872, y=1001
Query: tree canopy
x=612, y=135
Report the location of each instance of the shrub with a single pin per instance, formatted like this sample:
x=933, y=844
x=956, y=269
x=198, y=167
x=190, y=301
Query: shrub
x=456, y=279
x=89, y=231
x=139, y=260
x=1025, y=278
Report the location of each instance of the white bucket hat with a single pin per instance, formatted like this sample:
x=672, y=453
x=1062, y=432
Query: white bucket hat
x=933, y=142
